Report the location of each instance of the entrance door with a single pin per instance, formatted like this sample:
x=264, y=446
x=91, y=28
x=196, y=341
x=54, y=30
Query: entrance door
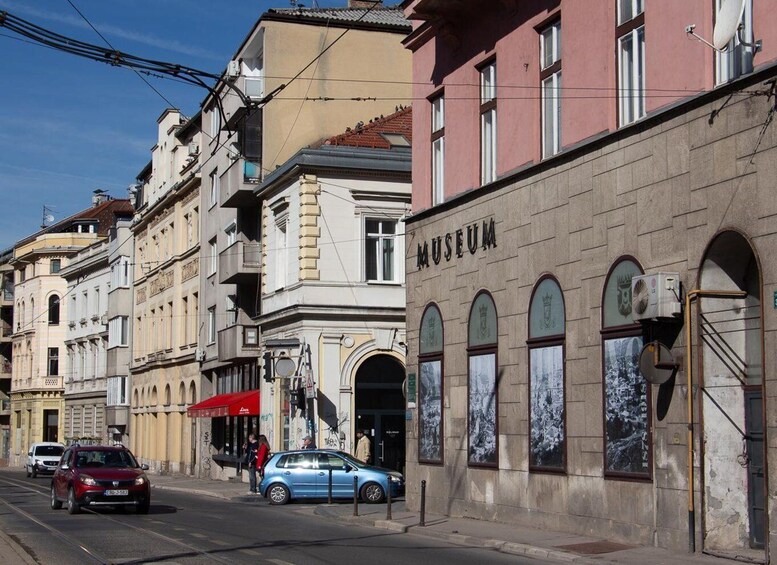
x=380, y=410
x=756, y=491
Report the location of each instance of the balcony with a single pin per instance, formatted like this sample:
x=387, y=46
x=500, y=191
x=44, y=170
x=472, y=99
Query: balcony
x=5, y=407
x=238, y=342
x=5, y=369
x=6, y=295
x=236, y=188
x=6, y=330
x=240, y=263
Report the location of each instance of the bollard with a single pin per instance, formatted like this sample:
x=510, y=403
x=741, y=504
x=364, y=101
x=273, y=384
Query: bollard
x=330, y=486
x=356, y=496
x=422, y=522
x=388, y=501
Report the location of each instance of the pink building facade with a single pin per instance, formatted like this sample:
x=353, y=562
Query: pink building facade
x=561, y=149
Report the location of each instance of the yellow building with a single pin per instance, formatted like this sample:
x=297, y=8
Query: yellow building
x=40, y=314
x=165, y=372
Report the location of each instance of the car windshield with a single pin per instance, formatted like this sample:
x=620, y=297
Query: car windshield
x=348, y=457
x=49, y=450
x=98, y=458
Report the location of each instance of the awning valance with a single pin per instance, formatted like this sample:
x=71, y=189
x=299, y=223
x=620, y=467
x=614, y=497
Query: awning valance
x=230, y=404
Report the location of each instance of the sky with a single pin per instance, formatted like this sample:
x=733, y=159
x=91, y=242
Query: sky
x=69, y=125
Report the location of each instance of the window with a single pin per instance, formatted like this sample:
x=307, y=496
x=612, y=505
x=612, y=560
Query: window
x=184, y=325
x=438, y=150
x=736, y=59
x=550, y=77
x=23, y=274
x=430, y=388
x=380, y=256
x=212, y=324
x=488, y=123
x=281, y=251
x=627, y=449
x=547, y=327
x=631, y=61
x=55, y=266
x=231, y=307
x=120, y=273
x=215, y=122
x=214, y=188
x=231, y=232
x=53, y=310
x=213, y=260
x=53, y=361
x=118, y=331
x=117, y=393
x=482, y=391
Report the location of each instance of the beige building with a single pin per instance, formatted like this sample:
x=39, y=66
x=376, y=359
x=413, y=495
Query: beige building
x=37, y=383
x=275, y=118
x=165, y=373
x=6, y=331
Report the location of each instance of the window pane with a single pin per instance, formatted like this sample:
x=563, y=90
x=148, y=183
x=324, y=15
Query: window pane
x=389, y=227
x=372, y=226
x=430, y=336
x=482, y=322
x=546, y=313
x=388, y=259
x=438, y=114
x=488, y=149
x=371, y=259
x=617, y=294
x=438, y=179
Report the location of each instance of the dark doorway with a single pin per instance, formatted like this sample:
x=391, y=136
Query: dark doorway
x=380, y=410
x=756, y=490
x=51, y=425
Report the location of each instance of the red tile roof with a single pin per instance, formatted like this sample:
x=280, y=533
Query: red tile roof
x=369, y=134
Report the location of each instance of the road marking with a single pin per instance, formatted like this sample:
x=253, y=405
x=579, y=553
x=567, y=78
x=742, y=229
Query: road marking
x=201, y=536
x=279, y=562
x=249, y=551
x=219, y=542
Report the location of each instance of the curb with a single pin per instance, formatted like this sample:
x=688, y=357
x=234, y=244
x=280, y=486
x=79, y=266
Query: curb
x=20, y=552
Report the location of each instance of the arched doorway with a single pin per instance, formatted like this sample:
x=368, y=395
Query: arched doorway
x=732, y=405
x=380, y=409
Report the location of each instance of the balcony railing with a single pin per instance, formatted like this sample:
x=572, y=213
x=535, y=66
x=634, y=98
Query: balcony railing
x=238, y=342
x=237, y=185
x=240, y=263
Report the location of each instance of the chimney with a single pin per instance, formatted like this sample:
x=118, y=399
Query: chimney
x=365, y=4
x=99, y=197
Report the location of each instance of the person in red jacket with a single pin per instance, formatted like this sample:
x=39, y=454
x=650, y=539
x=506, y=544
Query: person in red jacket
x=262, y=454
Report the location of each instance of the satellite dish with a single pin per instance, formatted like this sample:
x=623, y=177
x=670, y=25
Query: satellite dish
x=656, y=363
x=285, y=367
x=727, y=22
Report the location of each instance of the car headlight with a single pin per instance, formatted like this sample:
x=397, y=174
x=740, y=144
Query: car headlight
x=38, y=461
x=395, y=479
x=141, y=480
x=87, y=480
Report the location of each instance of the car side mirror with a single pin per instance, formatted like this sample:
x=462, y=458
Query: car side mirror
x=144, y=467
x=29, y=453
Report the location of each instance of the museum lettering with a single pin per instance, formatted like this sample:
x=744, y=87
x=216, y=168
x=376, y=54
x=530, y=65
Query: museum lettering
x=453, y=244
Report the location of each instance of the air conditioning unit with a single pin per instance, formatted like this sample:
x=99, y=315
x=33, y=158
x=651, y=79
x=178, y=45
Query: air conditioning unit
x=194, y=149
x=199, y=354
x=656, y=296
x=104, y=319
x=233, y=70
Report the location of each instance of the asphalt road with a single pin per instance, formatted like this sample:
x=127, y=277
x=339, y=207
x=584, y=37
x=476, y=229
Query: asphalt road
x=192, y=529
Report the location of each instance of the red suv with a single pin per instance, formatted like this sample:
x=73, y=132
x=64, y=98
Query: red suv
x=99, y=475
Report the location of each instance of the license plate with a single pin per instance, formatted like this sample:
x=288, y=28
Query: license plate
x=123, y=492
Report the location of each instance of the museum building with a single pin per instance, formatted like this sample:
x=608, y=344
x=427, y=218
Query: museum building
x=538, y=206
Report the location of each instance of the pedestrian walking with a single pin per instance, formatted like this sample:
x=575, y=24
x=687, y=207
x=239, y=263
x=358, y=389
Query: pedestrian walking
x=363, y=447
x=251, y=449
x=262, y=454
x=308, y=443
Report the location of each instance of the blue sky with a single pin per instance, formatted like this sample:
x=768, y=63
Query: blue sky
x=69, y=125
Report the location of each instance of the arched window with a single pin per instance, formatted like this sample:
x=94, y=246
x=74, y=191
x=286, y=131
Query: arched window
x=430, y=387
x=53, y=310
x=547, y=415
x=482, y=397
x=627, y=442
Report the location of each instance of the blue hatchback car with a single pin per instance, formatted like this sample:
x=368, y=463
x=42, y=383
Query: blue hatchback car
x=305, y=474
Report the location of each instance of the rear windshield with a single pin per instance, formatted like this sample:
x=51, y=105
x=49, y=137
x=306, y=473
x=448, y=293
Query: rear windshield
x=49, y=450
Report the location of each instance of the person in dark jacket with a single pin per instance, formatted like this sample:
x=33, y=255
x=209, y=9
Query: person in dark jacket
x=252, y=451
x=308, y=443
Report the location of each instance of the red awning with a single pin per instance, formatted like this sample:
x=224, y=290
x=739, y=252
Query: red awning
x=229, y=404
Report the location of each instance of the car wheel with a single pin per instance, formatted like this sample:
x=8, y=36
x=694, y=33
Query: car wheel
x=72, y=505
x=34, y=472
x=278, y=494
x=55, y=503
x=372, y=493
x=143, y=507
x=27, y=469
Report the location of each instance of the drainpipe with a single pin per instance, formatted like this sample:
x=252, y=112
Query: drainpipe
x=689, y=298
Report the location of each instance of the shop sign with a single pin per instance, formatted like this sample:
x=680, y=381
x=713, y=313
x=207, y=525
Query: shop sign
x=452, y=244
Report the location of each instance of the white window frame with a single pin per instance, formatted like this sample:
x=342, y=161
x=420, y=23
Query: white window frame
x=231, y=233
x=488, y=147
x=213, y=260
x=214, y=188
x=118, y=332
x=737, y=59
x=631, y=76
x=377, y=239
x=231, y=309
x=633, y=8
x=211, y=325
x=120, y=273
x=551, y=89
x=438, y=150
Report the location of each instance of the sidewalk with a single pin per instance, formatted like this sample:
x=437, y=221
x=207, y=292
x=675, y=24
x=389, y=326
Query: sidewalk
x=505, y=538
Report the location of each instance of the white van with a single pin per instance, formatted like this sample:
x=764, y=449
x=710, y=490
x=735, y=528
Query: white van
x=43, y=458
